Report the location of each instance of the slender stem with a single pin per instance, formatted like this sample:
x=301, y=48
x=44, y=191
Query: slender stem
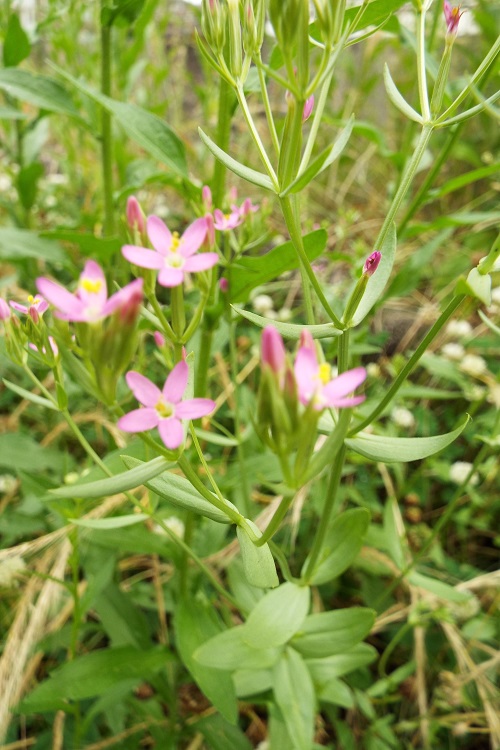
x=223, y=137
x=319, y=107
x=412, y=362
x=256, y=137
x=167, y=328
x=421, y=71
x=331, y=494
x=343, y=352
x=267, y=107
x=193, y=477
x=178, y=318
x=204, y=354
x=106, y=132
x=233, y=356
x=275, y=521
x=85, y=443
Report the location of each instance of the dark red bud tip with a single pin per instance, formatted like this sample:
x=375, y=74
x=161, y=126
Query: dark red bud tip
x=371, y=263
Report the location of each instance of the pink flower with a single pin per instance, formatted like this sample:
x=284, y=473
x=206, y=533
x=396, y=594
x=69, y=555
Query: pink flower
x=308, y=108
x=173, y=256
x=225, y=222
x=247, y=207
x=135, y=216
x=272, y=350
x=452, y=17
x=37, y=306
x=371, y=263
x=4, y=310
x=164, y=409
x=206, y=196
x=91, y=303
x=223, y=284
x=316, y=387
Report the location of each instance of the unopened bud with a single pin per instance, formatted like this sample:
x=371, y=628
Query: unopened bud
x=159, y=339
x=308, y=108
x=452, y=17
x=223, y=285
x=135, y=216
x=4, y=310
x=371, y=263
x=206, y=196
x=273, y=351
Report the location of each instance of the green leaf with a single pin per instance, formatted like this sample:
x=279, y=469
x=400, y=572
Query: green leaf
x=376, y=12
x=439, y=588
x=247, y=173
x=98, y=248
x=252, y=681
x=41, y=91
x=219, y=735
x=377, y=283
x=9, y=113
x=39, y=400
x=258, y=562
x=289, y=330
x=230, y=651
x=20, y=452
x=93, y=674
x=330, y=667
x=146, y=129
x=294, y=694
x=477, y=285
x=342, y=544
x=336, y=692
x=489, y=323
x=180, y=493
x=249, y=273
x=19, y=244
x=391, y=449
x=16, y=45
x=27, y=183
x=397, y=98
x=456, y=183
x=127, y=480
x=116, y=522
x=195, y=623
x=277, y=616
x=328, y=633
x=322, y=161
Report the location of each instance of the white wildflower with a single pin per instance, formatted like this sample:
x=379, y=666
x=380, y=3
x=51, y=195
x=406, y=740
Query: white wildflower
x=262, y=304
x=458, y=329
x=460, y=470
x=402, y=417
x=173, y=523
x=473, y=365
x=453, y=351
x=373, y=370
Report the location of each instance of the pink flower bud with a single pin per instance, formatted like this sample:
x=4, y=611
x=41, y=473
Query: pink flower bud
x=159, y=339
x=210, y=229
x=206, y=196
x=33, y=313
x=273, y=350
x=306, y=341
x=371, y=263
x=452, y=17
x=135, y=216
x=223, y=285
x=4, y=310
x=308, y=108
x=129, y=301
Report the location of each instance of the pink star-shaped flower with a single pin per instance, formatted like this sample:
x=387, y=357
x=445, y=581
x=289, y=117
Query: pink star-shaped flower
x=37, y=306
x=224, y=222
x=90, y=303
x=164, y=409
x=315, y=385
x=173, y=256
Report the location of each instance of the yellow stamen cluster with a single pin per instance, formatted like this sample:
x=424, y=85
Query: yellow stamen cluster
x=325, y=373
x=176, y=241
x=91, y=285
x=33, y=300
x=164, y=410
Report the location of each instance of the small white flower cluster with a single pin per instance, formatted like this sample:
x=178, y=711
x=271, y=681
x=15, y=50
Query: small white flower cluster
x=470, y=364
x=403, y=417
x=263, y=305
x=460, y=470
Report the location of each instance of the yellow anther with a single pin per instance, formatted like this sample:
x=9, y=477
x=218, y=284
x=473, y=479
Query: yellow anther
x=325, y=373
x=32, y=299
x=164, y=410
x=176, y=241
x=91, y=285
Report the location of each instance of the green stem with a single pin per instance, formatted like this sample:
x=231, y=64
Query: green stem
x=421, y=71
x=412, y=362
x=256, y=137
x=267, y=107
x=275, y=522
x=193, y=477
x=167, y=328
x=203, y=363
x=178, y=318
x=343, y=352
x=331, y=495
x=233, y=355
x=223, y=138
x=106, y=132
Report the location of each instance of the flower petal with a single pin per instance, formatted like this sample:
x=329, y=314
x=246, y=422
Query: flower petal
x=144, y=390
x=194, y=237
x=345, y=383
x=194, y=408
x=92, y=288
x=139, y=420
x=171, y=276
x=341, y=403
x=201, y=262
x=129, y=296
x=17, y=306
x=58, y=296
x=171, y=432
x=176, y=383
x=306, y=374
x=159, y=234
x=142, y=257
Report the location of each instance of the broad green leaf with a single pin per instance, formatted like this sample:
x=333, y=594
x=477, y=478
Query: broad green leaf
x=20, y=452
x=98, y=248
x=128, y=480
x=377, y=282
x=39, y=400
x=290, y=330
x=19, y=244
x=250, y=272
x=93, y=674
x=328, y=633
x=391, y=449
x=323, y=670
x=247, y=173
x=342, y=544
x=220, y=735
x=115, y=522
x=335, y=691
x=27, y=183
x=477, y=285
x=195, y=624
x=252, y=681
x=322, y=161
x=123, y=622
x=258, y=562
x=16, y=44
x=277, y=616
x=229, y=650
x=146, y=129
x=294, y=694
x=180, y=493
x=376, y=12
x=397, y=98
x=44, y=93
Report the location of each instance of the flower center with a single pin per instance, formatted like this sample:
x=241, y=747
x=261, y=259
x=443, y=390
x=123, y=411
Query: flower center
x=325, y=373
x=93, y=286
x=34, y=300
x=176, y=241
x=164, y=409
x=175, y=261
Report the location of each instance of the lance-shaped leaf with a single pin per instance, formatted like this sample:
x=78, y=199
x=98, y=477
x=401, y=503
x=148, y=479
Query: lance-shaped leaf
x=128, y=480
x=377, y=283
x=290, y=330
x=105, y=524
x=327, y=633
x=294, y=694
x=393, y=450
x=258, y=562
x=180, y=492
x=247, y=173
x=321, y=162
x=229, y=650
x=146, y=129
x=398, y=100
x=41, y=91
x=39, y=400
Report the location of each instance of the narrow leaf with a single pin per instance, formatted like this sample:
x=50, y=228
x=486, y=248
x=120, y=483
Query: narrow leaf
x=391, y=449
x=116, y=522
x=397, y=99
x=328, y=633
x=377, y=282
x=128, y=480
x=18, y=244
x=247, y=173
x=41, y=91
x=16, y=45
x=258, y=562
x=39, y=400
x=290, y=330
x=294, y=694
